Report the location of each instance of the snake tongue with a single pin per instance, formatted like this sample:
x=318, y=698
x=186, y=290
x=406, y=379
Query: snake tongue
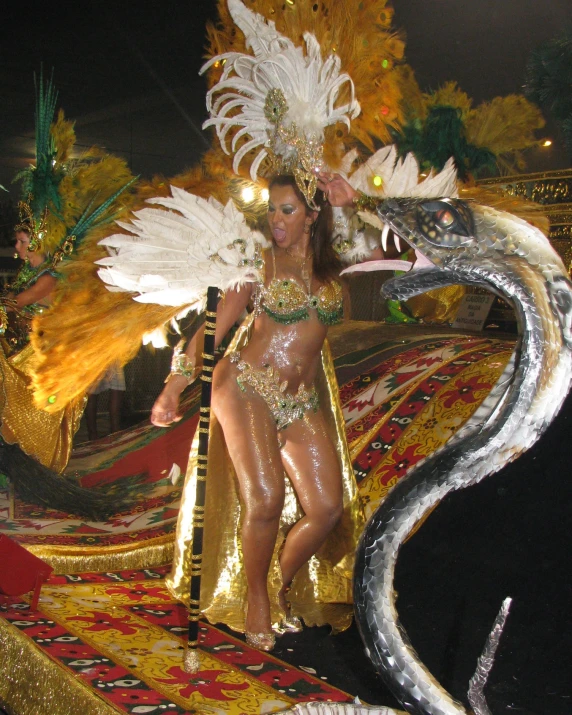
x=383, y=265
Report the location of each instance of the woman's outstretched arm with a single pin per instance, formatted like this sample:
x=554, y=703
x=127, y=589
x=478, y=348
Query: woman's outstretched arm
x=230, y=308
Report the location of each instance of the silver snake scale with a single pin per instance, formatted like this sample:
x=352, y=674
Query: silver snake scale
x=472, y=244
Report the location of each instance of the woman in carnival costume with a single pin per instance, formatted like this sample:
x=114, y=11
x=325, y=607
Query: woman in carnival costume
x=63, y=200
x=279, y=475
x=47, y=438
x=277, y=416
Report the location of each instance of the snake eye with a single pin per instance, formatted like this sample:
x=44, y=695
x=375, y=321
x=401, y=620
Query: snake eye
x=444, y=218
x=445, y=222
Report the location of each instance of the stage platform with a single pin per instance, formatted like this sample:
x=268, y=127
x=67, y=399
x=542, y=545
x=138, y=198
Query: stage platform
x=107, y=638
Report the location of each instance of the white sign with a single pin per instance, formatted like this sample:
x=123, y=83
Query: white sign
x=473, y=311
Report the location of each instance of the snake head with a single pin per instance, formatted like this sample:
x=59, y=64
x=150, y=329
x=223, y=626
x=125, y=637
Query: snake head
x=442, y=230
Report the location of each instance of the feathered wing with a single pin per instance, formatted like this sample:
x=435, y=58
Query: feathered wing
x=400, y=177
x=166, y=258
x=171, y=257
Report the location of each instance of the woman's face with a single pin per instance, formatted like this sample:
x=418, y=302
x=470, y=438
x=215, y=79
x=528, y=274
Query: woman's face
x=287, y=216
x=22, y=244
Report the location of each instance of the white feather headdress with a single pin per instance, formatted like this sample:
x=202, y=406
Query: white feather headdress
x=279, y=100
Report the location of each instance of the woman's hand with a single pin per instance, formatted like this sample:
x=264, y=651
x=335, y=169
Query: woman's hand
x=337, y=190
x=166, y=408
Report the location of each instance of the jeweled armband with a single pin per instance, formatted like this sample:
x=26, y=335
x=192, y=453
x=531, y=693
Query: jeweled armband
x=363, y=202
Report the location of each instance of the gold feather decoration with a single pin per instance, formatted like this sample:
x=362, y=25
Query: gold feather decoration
x=90, y=326
x=506, y=126
x=359, y=31
x=95, y=327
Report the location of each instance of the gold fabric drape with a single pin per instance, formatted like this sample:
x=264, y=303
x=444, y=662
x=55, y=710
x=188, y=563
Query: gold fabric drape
x=439, y=305
x=32, y=683
x=322, y=590
x=46, y=437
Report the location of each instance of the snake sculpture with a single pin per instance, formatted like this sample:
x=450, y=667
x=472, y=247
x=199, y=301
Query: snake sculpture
x=462, y=242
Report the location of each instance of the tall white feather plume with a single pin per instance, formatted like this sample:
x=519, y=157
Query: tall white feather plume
x=172, y=254
x=310, y=86
x=400, y=177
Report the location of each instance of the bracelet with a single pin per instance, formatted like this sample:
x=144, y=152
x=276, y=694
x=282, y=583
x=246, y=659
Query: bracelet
x=182, y=364
x=363, y=202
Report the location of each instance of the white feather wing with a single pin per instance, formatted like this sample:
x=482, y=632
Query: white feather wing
x=174, y=251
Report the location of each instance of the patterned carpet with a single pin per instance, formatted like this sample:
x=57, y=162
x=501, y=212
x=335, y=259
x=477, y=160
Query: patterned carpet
x=111, y=641
x=115, y=641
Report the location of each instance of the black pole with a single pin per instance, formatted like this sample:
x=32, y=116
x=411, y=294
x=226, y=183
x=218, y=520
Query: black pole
x=192, y=662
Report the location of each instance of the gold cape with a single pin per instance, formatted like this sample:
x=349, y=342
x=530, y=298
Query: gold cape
x=321, y=592
x=47, y=437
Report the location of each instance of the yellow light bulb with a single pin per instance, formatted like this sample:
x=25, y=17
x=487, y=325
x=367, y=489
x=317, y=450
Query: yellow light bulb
x=247, y=194
x=547, y=142
x=377, y=181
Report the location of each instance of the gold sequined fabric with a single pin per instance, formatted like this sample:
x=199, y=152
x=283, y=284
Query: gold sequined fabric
x=47, y=437
x=286, y=300
x=321, y=592
x=31, y=683
x=439, y=305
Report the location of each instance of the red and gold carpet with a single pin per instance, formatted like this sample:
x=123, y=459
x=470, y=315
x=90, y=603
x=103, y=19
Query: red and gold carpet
x=109, y=639
x=113, y=643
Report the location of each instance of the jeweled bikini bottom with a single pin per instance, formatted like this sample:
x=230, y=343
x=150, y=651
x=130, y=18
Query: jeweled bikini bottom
x=285, y=407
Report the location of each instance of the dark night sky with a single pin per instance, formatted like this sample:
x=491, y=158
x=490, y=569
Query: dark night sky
x=127, y=71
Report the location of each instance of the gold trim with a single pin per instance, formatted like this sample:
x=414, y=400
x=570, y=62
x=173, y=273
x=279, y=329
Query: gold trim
x=521, y=178
x=77, y=559
x=32, y=683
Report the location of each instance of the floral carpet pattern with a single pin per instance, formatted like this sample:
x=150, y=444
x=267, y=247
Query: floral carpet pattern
x=119, y=638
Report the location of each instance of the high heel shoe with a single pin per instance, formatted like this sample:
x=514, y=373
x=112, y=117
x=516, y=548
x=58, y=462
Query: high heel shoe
x=261, y=641
x=290, y=624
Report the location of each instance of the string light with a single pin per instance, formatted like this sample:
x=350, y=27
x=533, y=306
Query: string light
x=547, y=142
x=377, y=180
x=247, y=195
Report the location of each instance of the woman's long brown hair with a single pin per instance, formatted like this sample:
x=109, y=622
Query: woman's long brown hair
x=326, y=265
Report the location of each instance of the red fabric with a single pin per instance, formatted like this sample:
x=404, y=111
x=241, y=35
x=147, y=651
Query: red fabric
x=173, y=446
x=21, y=571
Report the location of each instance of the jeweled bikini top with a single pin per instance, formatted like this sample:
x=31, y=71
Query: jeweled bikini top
x=287, y=302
